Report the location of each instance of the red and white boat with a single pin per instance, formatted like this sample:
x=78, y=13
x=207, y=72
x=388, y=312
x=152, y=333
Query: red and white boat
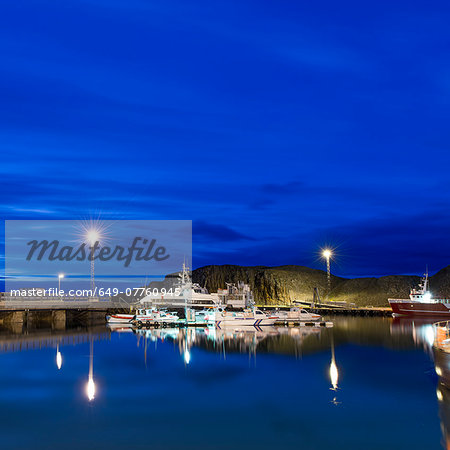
x=120, y=318
x=421, y=303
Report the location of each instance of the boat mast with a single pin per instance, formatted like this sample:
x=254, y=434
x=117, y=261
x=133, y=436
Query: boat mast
x=425, y=282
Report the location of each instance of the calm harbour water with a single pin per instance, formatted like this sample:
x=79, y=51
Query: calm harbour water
x=220, y=389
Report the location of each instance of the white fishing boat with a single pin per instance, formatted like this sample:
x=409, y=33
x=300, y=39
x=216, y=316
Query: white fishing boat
x=120, y=318
x=252, y=317
x=152, y=316
x=184, y=293
x=297, y=315
x=198, y=318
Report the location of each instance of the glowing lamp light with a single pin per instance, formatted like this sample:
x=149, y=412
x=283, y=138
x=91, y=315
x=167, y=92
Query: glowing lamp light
x=58, y=360
x=90, y=389
x=60, y=275
x=327, y=254
x=334, y=375
x=92, y=231
x=92, y=236
x=427, y=297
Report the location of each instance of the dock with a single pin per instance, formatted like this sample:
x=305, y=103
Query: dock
x=337, y=310
x=58, y=311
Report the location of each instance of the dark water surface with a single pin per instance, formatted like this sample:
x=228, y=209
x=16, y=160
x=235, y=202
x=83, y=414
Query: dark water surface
x=220, y=389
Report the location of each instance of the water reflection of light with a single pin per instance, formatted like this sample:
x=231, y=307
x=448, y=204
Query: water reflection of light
x=334, y=374
x=90, y=389
x=187, y=356
x=428, y=334
x=439, y=395
x=58, y=357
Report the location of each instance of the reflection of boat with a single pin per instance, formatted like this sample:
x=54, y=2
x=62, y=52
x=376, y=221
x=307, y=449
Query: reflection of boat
x=120, y=327
x=159, y=333
x=297, y=315
x=420, y=329
x=442, y=367
x=443, y=396
x=120, y=318
x=239, y=339
x=421, y=303
x=299, y=333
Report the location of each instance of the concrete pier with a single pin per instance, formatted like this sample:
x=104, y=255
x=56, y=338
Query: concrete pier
x=10, y=317
x=59, y=320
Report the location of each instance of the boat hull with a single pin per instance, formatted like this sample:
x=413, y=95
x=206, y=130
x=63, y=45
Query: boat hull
x=419, y=309
x=120, y=318
x=239, y=322
x=299, y=317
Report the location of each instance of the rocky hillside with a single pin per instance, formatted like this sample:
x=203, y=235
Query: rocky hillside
x=374, y=291
x=270, y=285
x=282, y=285
x=440, y=283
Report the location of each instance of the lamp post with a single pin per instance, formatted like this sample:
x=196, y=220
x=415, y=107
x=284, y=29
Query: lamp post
x=60, y=277
x=327, y=254
x=92, y=237
x=93, y=233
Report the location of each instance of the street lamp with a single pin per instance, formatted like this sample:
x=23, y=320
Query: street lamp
x=327, y=254
x=92, y=236
x=93, y=233
x=60, y=277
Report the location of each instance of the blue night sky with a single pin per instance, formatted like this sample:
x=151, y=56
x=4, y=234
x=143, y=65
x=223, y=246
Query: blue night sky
x=277, y=127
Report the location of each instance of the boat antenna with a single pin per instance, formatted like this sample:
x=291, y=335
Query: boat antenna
x=425, y=282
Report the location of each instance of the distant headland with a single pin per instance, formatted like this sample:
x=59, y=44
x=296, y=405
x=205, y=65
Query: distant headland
x=283, y=284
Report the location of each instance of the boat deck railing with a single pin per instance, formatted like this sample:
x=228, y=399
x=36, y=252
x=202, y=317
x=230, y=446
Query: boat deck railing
x=433, y=300
x=442, y=335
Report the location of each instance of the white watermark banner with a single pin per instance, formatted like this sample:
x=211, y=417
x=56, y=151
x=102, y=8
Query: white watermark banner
x=93, y=258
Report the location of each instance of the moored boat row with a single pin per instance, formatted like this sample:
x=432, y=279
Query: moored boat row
x=209, y=317
x=233, y=306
